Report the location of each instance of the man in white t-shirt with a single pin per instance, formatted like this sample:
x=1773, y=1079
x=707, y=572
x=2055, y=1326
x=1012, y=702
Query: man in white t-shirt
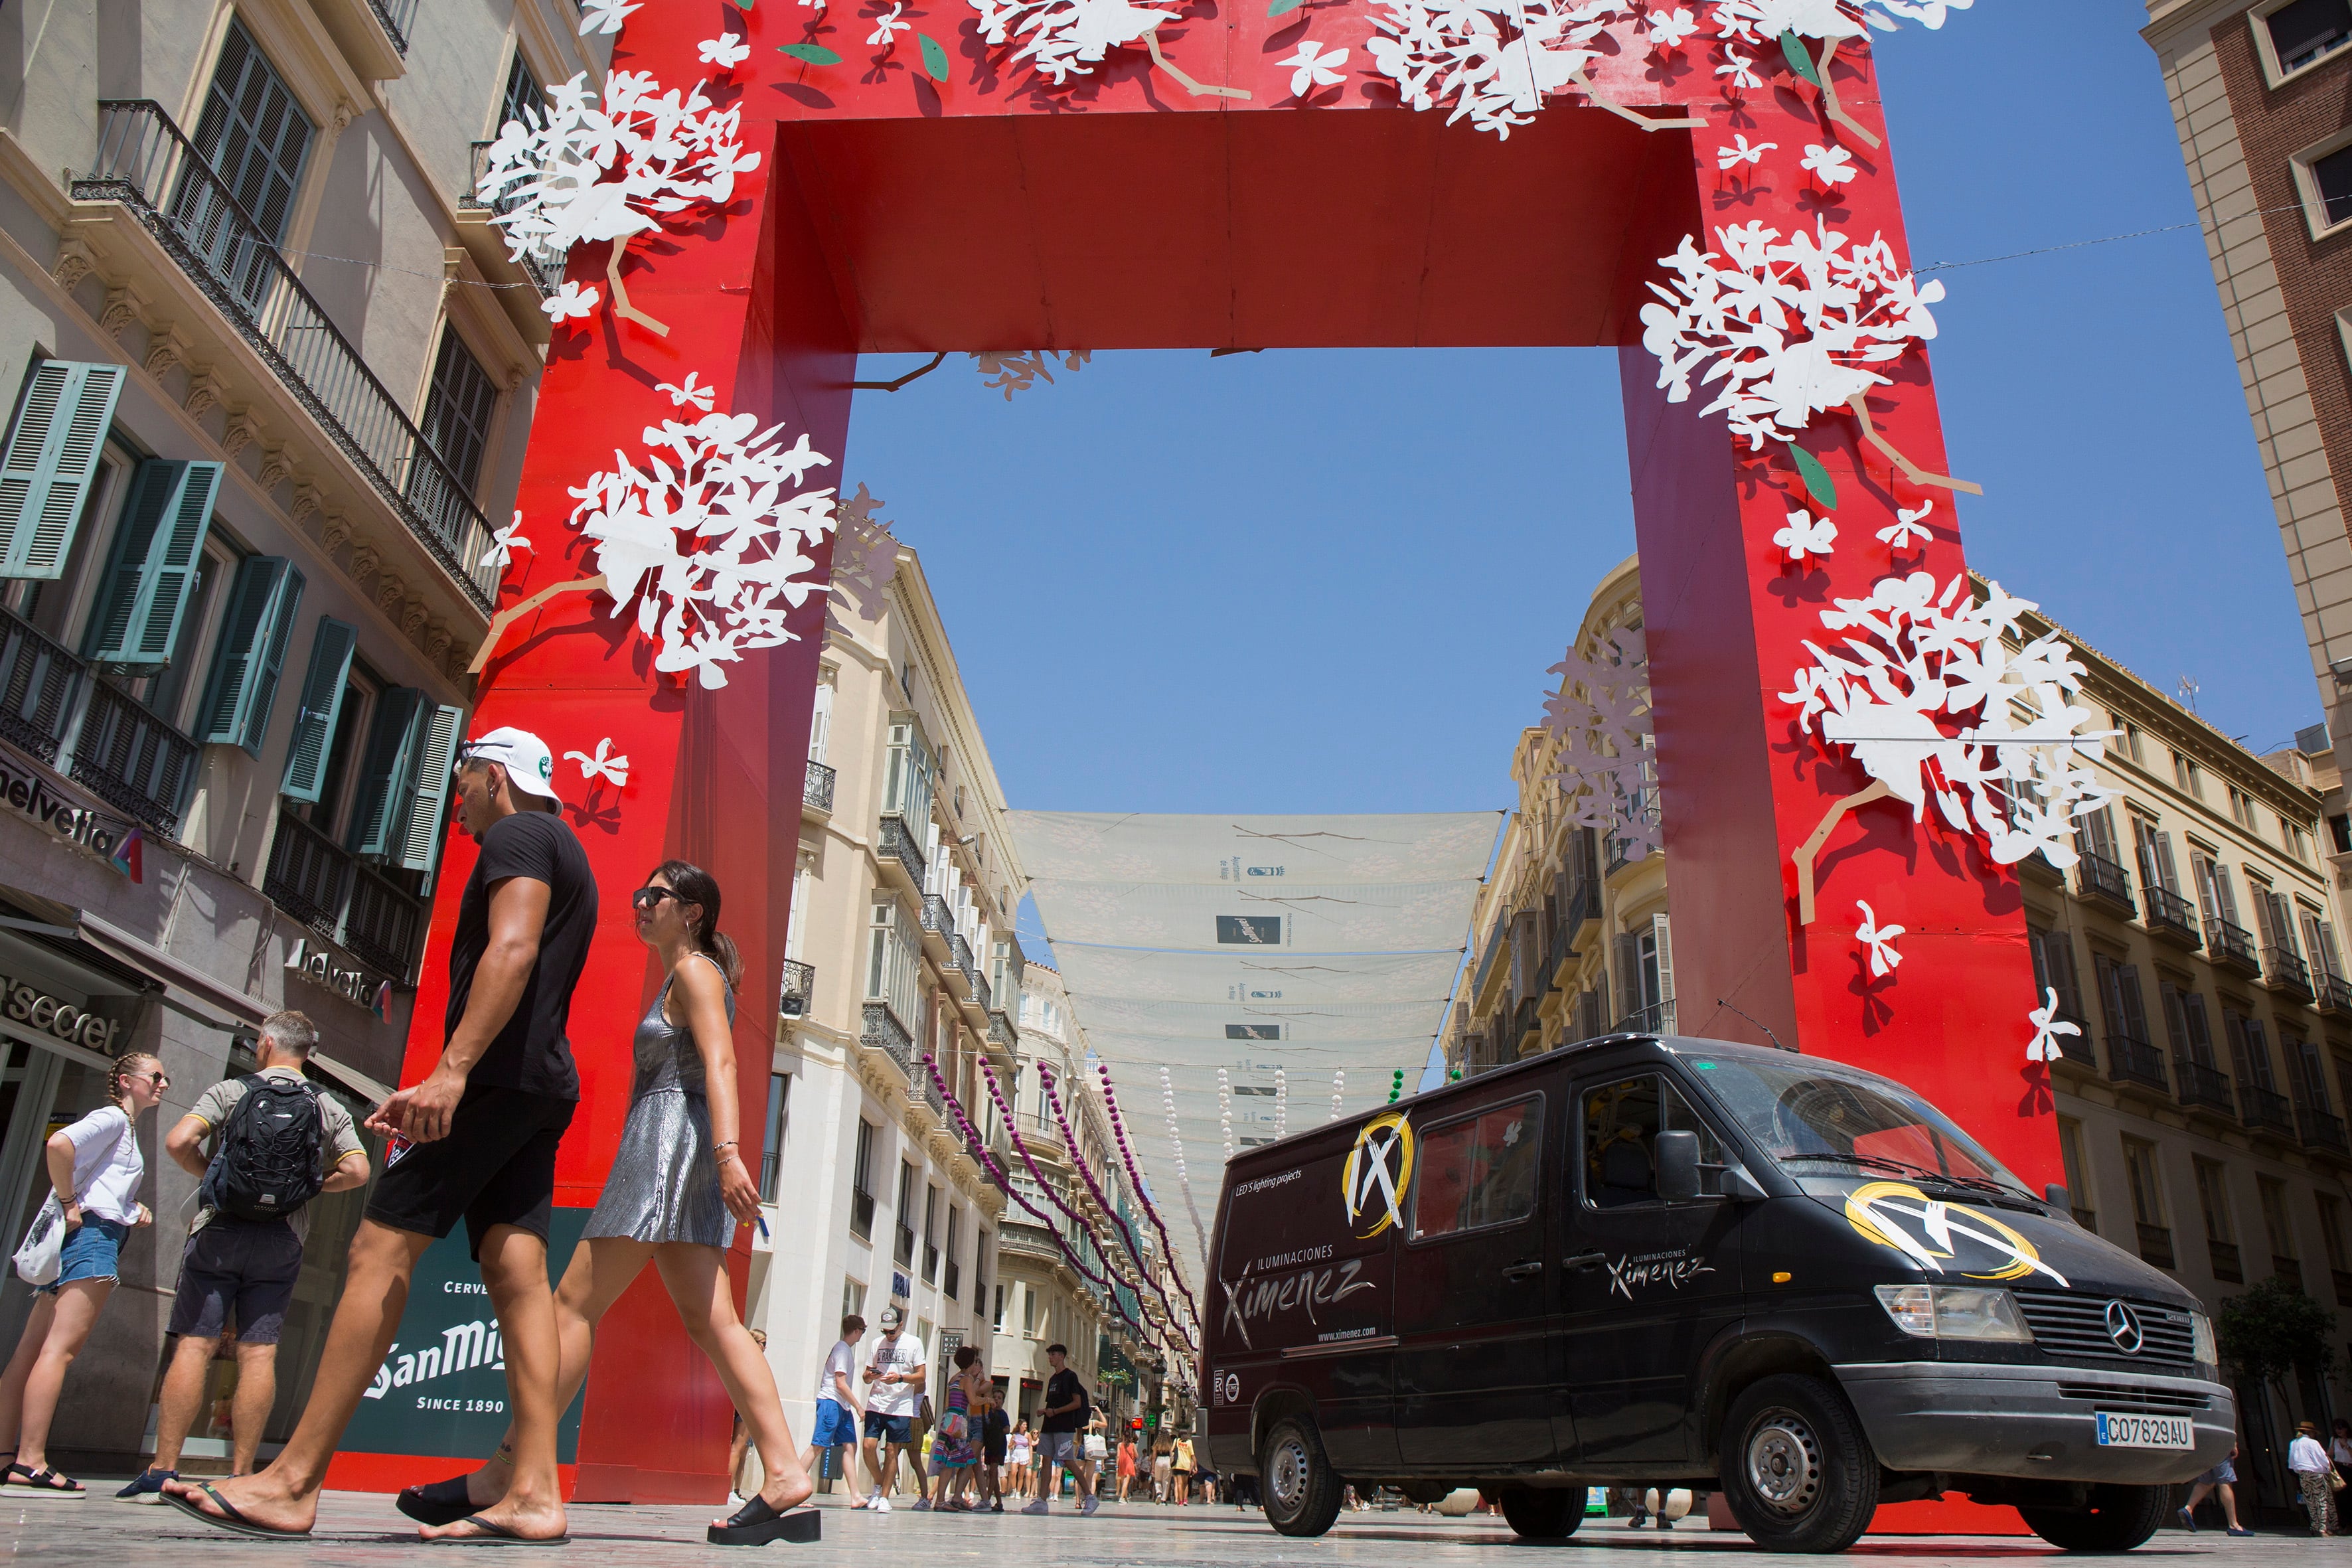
x=837, y=1403
x=894, y=1378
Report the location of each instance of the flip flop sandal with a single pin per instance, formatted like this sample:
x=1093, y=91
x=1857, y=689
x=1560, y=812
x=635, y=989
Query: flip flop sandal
x=229, y=1518
x=436, y=1502
x=43, y=1482
x=757, y=1524
x=494, y=1534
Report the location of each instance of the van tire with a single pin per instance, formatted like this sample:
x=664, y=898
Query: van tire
x=1540, y=1514
x=1301, y=1491
x=1795, y=1467
x=2117, y=1518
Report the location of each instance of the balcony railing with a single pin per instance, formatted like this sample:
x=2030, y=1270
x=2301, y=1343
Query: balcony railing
x=980, y=989
x=2226, y=1265
x=2133, y=1060
x=2170, y=917
x=2286, y=972
x=1658, y=1018
x=311, y=878
x=2096, y=877
x=1001, y=1031
x=936, y=920
x=2232, y=947
x=861, y=1214
x=56, y=707
x=2322, y=1130
x=144, y=162
x=399, y=20
x=2076, y=1048
x=959, y=954
x=798, y=990
x=816, y=789
x=883, y=1032
x=2334, y=992
x=896, y=843
x=2155, y=1245
x=1526, y=1026
x=545, y=271
x=2264, y=1109
x=2206, y=1086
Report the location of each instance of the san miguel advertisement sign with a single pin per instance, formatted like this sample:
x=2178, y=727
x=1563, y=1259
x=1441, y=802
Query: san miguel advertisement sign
x=442, y=1390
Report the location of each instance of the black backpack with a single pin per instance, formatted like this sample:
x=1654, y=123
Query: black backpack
x=267, y=1162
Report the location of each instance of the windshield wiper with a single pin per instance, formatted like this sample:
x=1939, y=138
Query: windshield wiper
x=1904, y=1167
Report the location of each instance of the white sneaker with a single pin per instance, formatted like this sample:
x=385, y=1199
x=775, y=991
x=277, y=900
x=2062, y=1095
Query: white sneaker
x=1038, y=1507
x=921, y=1505
x=879, y=1505
x=1088, y=1507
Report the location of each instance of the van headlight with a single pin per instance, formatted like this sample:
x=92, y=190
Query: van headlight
x=2202, y=1348
x=1955, y=1313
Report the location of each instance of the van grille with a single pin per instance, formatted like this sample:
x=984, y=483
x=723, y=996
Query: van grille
x=2074, y=1328
x=2154, y=1401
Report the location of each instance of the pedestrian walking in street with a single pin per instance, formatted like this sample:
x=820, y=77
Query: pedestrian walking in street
x=2339, y=1453
x=1182, y=1469
x=2219, y=1482
x=739, y=1444
x=1063, y=1419
x=1126, y=1465
x=920, y=1430
x=476, y=1139
x=893, y=1376
x=955, y=1443
x=1163, y=1472
x=677, y=1192
x=1018, y=1450
x=837, y=1403
x=94, y=1169
x=994, y=1429
x=276, y=1143
x=2314, y=1474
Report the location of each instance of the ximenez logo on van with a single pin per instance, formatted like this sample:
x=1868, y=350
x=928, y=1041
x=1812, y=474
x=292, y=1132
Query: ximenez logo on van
x=1883, y=1211
x=1378, y=1171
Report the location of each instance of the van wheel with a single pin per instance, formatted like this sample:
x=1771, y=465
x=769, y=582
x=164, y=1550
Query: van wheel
x=2117, y=1518
x=1796, y=1469
x=1549, y=1514
x=1301, y=1491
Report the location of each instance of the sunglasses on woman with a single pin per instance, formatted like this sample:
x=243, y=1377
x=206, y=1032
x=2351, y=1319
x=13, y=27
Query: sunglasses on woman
x=648, y=898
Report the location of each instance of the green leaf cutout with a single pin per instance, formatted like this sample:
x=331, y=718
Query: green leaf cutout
x=1280, y=8
x=1800, y=58
x=815, y=54
x=1818, y=483
x=935, y=59
x=743, y=4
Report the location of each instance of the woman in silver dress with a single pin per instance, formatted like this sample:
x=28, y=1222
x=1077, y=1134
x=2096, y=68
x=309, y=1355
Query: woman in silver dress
x=677, y=1191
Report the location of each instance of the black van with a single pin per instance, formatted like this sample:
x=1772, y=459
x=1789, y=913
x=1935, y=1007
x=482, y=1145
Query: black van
x=1674, y=1261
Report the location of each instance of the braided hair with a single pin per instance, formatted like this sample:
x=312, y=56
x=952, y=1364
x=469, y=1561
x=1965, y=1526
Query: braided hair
x=121, y=1069
x=693, y=885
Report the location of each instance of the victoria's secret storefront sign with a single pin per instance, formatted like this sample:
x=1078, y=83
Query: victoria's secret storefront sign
x=23, y=1003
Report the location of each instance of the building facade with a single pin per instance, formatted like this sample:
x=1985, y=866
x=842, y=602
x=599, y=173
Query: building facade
x=269, y=380
x=2202, y=1102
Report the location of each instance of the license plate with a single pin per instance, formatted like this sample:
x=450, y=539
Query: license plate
x=2117, y=1431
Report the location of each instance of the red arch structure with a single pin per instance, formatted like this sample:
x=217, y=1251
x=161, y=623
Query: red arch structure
x=904, y=202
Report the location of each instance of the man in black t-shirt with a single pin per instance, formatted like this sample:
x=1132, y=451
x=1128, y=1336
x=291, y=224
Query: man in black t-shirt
x=475, y=1140
x=1063, y=1418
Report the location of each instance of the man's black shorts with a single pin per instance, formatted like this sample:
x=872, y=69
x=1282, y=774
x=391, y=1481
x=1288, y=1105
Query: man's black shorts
x=495, y=1167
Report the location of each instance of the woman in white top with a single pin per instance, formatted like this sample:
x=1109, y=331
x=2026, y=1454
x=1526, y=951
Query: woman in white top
x=95, y=1170
x=1017, y=1457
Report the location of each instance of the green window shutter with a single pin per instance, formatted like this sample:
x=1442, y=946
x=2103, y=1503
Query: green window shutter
x=244, y=681
x=152, y=566
x=51, y=460
x=323, y=703
x=419, y=848
x=385, y=771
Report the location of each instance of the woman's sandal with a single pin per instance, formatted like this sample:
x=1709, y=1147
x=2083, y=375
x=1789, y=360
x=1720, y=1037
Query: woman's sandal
x=43, y=1482
x=757, y=1524
x=436, y=1503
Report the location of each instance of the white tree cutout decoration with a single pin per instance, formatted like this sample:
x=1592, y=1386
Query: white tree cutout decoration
x=2048, y=1028
x=1601, y=715
x=1877, y=940
x=1790, y=22
x=1791, y=328
x=1063, y=39
x=1496, y=62
x=545, y=177
x=865, y=560
x=1923, y=696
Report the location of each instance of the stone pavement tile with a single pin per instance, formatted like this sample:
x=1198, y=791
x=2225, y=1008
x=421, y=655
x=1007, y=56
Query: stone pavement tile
x=361, y=1529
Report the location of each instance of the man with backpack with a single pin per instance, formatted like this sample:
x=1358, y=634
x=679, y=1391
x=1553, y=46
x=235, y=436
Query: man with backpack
x=276, y=1143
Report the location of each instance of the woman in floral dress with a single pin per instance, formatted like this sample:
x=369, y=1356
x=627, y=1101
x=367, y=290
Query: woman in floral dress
x=955, y=1441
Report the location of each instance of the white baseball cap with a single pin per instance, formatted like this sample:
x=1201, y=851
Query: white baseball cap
x=531, y=766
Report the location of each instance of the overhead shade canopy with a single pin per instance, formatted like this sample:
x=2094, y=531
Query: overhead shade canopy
x=1306, y=1022
x=1139, y=975
x=1096, y=847
x=1287, y=917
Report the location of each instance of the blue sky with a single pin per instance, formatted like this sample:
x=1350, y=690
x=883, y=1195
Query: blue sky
x=1344, y=594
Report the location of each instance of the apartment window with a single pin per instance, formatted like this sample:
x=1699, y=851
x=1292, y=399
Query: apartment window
x=2331, y=1237
x=2184, y=1017
x=2187, y=775
x=2250, y=1049
x=1029, y=1311
x=931, y=1236
x=2319, y=943
x=242, y=688
x=895, y=962
x=456, y=425
x=2307, y=1071
x=853, y=1297
x=2242, y=804
x=861, y=1183
x=2326, y=180
x=2277, y=1229
x=906, y=775
x=771, y=1142
x=2119, y=991
x=2221, y=1236
x=523, y=95
x=2131, y=743
x=2301, y=31
x=255, y=137
x=996, y=1318
x=2078, y=1181
x=2215, y=895
x=2339, y=832
x=2277, y=916
x=904, y=1218
x=820, y=716
x=2054, y=969
x=2094, y=834
x=2154, y=845
x=2147, y=1202
x=952, y=1284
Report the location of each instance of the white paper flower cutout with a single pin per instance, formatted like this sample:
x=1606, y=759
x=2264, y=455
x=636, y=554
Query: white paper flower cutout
x=707, y=539
x=1739, y=152
x=1608, y=747
x=1790, y=327
x=571, y=302
x=689, y=394
x=865, y=560
x=547, y=175
x=1312, y=68
x=1878, y=940
x=1834, y=165
x=1909, y=527
x=603, y=764
x=1669, y=29
x=1496, y=62
x=1011, y=372
x=1806, y=535
x=1739, y=69
x=603, y=16
x=1063, y=39
x=1762, y=21
x=1924, y=695
x=504, y=543
x=726, y=51
x=888, y=27
x=2047, y=1029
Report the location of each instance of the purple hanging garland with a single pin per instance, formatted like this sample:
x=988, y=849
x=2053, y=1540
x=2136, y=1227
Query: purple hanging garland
x=1118, y=1132
x=1045, y=1076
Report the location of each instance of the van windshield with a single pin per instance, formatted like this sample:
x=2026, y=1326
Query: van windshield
x=1817, y=1122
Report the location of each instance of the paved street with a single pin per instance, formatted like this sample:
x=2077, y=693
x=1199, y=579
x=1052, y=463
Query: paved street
x=357, y=1528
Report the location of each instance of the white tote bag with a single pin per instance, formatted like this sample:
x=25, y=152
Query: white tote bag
x=37, y=1260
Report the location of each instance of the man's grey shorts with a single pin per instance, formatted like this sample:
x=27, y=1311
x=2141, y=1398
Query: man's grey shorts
x=239, y=1273
x=1058, y=1448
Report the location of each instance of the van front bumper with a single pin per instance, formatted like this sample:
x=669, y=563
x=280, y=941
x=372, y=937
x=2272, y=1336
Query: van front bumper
x=2033, y=1422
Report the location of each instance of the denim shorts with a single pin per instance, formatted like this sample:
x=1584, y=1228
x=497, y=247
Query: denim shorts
x=888, y=1429
x=834, y=1427
x=93, y=1250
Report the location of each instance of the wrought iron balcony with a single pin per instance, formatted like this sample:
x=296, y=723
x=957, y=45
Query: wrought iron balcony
x=1001, y=1031
x=816, y=789
x=980, y=994
x=311, y=878
x=2205, y=1086
x=145, y=164
x=2333, y=994
x=2155, y=1245
x=2233, y=948
x=898, y=846
x=2226, y=1268
x=2266, y=1110
x=2170, y=917
x=2287, y=974
x=2134, y=1060
x=1526, y=1030
x=936, y=922
x=2096, y=877
x=544, y=271
x=399, y=20
x=2076, y=1048
x=798, y=991
x=881, y=1031
x=1655, y=1019
x=2322, y=1130
x=55, y=706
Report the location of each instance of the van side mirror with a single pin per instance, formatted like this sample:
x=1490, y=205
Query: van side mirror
x=1677, y=1157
